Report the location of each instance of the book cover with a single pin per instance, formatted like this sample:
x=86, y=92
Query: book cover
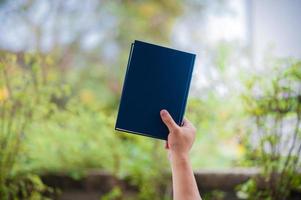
x=156, y=78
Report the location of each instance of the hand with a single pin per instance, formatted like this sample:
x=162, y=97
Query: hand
x=180, y=138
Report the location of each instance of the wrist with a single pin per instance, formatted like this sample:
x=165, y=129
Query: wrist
x=179, y=157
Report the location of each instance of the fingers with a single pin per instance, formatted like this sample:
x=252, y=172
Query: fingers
x=168, y=121
x=186, y=122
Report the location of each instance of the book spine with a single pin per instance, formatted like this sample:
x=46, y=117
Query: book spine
x=124, y=83
x=186, y=91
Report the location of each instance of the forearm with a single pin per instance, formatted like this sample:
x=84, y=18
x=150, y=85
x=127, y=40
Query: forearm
x=184, y=183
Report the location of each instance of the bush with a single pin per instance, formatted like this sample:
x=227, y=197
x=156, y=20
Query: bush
x=274, y=104
x=25, y=96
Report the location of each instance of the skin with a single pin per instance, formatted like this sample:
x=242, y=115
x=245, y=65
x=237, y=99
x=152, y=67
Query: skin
x=180, y=141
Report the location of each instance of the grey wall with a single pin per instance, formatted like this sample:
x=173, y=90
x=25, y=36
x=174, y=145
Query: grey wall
x=275, y=26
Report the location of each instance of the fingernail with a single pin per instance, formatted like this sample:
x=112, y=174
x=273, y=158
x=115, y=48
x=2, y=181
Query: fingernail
x=163, y=112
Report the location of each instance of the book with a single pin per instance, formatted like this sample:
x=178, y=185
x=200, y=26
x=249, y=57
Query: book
x=156, y=78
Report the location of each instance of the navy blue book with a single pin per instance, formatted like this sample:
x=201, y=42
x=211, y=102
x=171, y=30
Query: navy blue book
x=156, y=78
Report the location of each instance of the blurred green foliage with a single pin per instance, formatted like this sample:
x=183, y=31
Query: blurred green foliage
x=214, y=195
x=24, y=98
x=274, y=104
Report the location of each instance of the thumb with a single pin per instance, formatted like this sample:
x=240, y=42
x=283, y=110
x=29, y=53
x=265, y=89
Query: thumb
x=168, y=121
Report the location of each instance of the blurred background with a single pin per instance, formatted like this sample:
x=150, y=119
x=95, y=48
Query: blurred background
x=62, y=69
